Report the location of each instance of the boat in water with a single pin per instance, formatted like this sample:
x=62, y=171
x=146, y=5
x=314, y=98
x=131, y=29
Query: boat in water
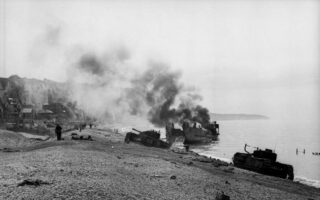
x=264, y=162
x=193, y=133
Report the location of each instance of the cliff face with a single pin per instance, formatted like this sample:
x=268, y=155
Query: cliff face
x=32, y=91
x=16, y=93
x=43, y=92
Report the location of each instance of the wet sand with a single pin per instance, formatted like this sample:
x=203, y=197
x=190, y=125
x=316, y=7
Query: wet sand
x=107, y=168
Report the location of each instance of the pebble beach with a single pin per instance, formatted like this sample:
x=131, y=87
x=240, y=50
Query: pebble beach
x=108, y=168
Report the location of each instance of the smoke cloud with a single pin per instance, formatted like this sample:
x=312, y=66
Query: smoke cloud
x=158, y=90
x=111, y=84
x=89, y=63
x=111, y=89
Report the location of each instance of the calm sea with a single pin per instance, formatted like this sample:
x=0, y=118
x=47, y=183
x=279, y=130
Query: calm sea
x=285, y=137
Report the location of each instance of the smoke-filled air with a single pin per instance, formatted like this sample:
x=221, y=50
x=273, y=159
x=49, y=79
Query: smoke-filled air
x=109, y=88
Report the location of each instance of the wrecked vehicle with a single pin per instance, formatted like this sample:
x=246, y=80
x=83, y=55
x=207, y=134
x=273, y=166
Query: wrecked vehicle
x=195, y=133
x=147, y=138
x=75, y=136
x=264, y=162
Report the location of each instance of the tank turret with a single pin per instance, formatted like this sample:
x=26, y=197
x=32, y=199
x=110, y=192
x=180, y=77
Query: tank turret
x=265, y=154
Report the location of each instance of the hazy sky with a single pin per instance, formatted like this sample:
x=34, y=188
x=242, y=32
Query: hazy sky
x=243, y=56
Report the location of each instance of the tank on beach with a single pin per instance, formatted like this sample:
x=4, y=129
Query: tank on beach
x=264, y=162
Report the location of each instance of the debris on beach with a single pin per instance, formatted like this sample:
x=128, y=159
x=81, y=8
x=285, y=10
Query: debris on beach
x=179, y=151
x=215, y=162
x=36, y=182
x=9, y=150
x=157, y=176
x=75, y=136
x=222, y=196
x=173, y=177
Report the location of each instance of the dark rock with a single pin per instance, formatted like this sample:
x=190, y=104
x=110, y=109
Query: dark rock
x=173, y=177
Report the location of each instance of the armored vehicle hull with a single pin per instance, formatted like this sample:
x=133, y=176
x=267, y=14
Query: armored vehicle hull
x=264, y=162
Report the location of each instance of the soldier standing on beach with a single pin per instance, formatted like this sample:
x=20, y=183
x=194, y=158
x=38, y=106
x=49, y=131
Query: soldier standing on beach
x=58, y=132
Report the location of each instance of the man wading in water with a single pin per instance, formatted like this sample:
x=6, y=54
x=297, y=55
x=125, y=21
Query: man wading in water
x=58, y=132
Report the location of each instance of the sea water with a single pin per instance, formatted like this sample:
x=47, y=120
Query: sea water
x=293, y=141
x=283, y=136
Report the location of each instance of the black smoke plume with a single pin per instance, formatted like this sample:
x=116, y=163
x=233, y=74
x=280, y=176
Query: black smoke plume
x=91, y=64
x=160, y=89
x=155, y=93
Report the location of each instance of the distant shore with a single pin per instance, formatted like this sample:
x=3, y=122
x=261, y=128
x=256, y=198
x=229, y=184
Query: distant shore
x=222, y=117
x=107, y=168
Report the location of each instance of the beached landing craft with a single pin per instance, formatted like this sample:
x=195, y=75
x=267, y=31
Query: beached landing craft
x=147, y=138
x=194, y=134
x=264, y=162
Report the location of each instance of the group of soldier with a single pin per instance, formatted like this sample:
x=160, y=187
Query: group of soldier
x=58, y=129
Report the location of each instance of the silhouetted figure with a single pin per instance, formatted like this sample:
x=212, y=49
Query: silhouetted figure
x=186, y=147
x=90, y=126
x=58, y=131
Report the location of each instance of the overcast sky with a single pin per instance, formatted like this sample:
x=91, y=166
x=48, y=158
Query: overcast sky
x=243, y=56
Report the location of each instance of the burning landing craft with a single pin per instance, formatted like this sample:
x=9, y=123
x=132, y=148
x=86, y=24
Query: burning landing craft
x=264, y=162
x=193, y=134
x=147, y=138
